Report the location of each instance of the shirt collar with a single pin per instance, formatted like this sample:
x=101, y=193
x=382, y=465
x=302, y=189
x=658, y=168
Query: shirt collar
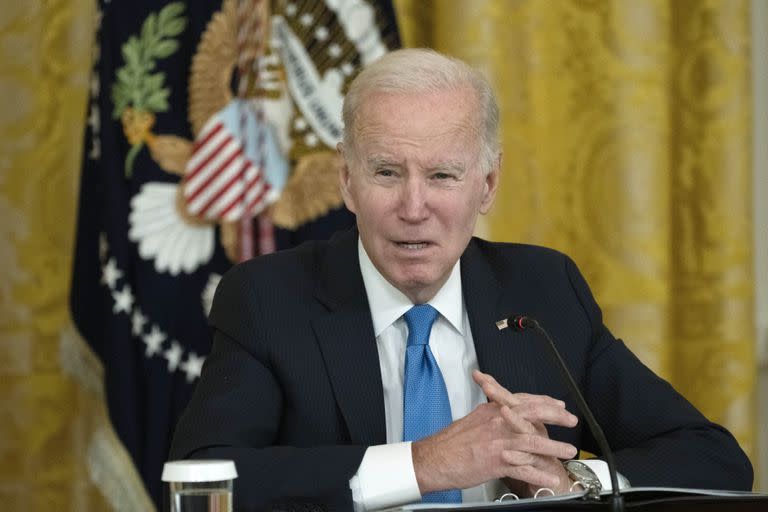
x=387, y=303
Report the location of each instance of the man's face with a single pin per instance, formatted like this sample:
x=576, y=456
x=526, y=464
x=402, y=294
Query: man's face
x=416, y=184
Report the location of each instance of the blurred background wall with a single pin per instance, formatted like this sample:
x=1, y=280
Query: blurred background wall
x=759, y=18
x=628, y=129
x=49, y=419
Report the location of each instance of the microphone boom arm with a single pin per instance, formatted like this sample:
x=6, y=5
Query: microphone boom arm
x=521, y=323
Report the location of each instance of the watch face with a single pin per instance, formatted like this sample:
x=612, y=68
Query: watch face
x=580, y=472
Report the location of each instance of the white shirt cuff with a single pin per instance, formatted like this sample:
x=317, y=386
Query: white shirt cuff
x=385, y=478
x=600, y=467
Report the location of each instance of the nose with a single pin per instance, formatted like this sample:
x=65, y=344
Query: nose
x=413, y=201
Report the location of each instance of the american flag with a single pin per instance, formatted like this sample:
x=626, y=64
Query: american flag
x=221, y=182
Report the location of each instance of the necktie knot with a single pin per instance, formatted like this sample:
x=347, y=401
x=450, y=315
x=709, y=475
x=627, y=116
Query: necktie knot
x=420, y=319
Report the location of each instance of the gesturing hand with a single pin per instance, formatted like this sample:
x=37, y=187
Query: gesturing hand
x=504, y=438
x=518, y=411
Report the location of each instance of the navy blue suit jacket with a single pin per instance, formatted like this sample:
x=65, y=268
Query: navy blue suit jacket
x=292, y=389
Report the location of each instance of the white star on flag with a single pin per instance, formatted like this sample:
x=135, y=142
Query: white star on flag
x=123, y=300
x=173, y=355
x=95, y=152
x=192, y=366
x=110, y=274
x=154, y=341
x=137, y=322
x=306, y=19
x=300, y=123
x=334, y=50
x=321, y=33
x=94, y=85
x=93, y=118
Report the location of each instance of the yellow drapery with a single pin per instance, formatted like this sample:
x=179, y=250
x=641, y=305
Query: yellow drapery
x=626, y=131
x=57, y=451
x=626, y=137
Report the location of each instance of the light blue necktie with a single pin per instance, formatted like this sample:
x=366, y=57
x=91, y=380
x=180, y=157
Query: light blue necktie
x=426, y=408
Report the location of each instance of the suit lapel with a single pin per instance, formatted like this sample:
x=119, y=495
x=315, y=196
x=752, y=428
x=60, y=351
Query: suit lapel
x=503, y=354
x=347, y=342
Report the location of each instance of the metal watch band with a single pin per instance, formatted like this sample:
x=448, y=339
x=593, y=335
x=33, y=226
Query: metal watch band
x=583, y=474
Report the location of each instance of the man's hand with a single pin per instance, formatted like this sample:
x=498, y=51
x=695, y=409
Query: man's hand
x=504, y=438
x=551, y=465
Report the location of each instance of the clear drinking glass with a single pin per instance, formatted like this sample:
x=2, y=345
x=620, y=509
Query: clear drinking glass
x=200, y=485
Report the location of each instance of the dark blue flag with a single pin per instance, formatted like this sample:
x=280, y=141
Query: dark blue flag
x=170, y=149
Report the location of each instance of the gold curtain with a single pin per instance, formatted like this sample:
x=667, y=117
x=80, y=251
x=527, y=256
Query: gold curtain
x=626, y=133
x=626, y=136
x=57, y=450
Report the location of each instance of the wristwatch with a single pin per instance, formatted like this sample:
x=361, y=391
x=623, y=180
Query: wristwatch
x=580, y=473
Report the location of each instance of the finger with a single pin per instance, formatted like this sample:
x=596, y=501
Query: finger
x=498, y=393
x=527, y=398
x=493, y=390
x=518, y=458
x=549, y=465
x=479, y=377
x=533, y=476
x=545, y=414
x=541, y=446
x=520, y=425
x=540, y=429
x=517, y=423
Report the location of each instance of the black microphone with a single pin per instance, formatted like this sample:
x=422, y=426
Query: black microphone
x=521, y=323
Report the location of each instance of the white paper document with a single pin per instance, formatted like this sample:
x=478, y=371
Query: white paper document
x=629, y=493
x=486, y=505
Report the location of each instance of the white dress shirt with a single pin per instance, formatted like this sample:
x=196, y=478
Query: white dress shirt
x=386, y=476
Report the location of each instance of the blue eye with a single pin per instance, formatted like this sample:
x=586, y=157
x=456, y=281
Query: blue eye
x=385, y=173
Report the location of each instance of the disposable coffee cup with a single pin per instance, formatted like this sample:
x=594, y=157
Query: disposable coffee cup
x=200, y=485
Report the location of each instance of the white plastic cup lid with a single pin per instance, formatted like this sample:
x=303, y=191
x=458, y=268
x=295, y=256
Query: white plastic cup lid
x=199, y=471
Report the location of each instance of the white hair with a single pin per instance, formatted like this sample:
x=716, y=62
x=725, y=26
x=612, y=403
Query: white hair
x=421, y=70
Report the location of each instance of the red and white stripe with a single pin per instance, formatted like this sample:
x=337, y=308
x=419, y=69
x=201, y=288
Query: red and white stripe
x=221, y=182
x=250, y=34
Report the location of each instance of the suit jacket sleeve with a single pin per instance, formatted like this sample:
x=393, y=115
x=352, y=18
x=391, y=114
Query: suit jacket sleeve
x=657, y=436
x=237, y=409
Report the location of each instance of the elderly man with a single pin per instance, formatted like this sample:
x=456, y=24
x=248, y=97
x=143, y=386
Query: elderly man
x=367, y=371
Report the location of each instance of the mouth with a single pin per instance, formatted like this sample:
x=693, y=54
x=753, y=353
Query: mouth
x=413, y=245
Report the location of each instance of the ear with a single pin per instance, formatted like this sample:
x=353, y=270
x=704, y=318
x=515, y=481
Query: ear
x=344, y=179
x=490, y=186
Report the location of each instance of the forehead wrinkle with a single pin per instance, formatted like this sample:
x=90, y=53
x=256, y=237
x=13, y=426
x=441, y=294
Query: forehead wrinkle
x=378, y=129
x=468, y=123
x=374, y=138
x=468, y=108
x=379, y=160
x=451, y=165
